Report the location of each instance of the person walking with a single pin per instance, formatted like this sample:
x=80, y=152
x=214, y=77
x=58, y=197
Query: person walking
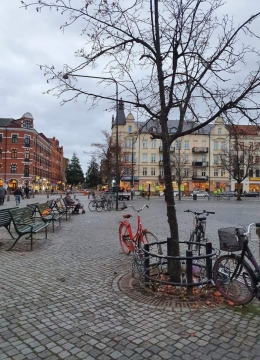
x=17, y=195
x=26, y=191
x=2, y=195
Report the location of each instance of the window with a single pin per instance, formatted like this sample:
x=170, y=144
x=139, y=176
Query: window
x=186, y=158
x=145, y=144
x=144, y=171
x=173, y=130
x=257, y=173
x=257, y=159
x=161, y=157
x=251, y=173
x=153, y=158
x=216, y=172
x=0, y=153
x=144, y=157
x=178, y=144
x=1, y=138
x=27, y=155
x=203, y=172
x=152, y=171
x=186, y=172
x=215, y=145
x=26, y=170
x=153, y=129
x=250, y=146
x=219, y=131
x=27, y=124
x=186, y=144
x=195, y=158
x=153, y=144
x=27, y=141
x=161, y=172
x=13, y=168
x=223, y=172
x=241, y=146
x=14, y=139
x=130, y=128
x=222, y=146
x=13, y=153
x=203, y=158
x=215, y=159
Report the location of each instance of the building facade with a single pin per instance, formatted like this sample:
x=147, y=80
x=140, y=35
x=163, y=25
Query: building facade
x=197, y=154
x=26, y=156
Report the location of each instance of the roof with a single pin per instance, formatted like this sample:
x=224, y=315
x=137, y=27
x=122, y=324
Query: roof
x=173, y=124
x=243, y=129
x=5, y=122
x=27, y=115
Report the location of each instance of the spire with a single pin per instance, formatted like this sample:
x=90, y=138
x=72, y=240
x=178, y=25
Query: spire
x=121, y=113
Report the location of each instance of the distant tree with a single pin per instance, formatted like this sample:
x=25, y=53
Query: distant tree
x=74, y=173
x=93, y=178
x=180, y=167
x=237, y=157
x=106, y=153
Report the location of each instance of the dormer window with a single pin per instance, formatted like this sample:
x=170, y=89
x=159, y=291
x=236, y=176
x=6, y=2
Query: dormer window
x=130, y=128
x=153, y=129
x=173, y=130
x=27, y=124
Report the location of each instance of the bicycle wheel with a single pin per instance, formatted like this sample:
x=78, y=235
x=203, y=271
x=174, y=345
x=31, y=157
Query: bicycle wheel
x=194, y=238
x=237, y=288
x=92, y=206
x=124, y=239
x=148, y=237
x=100, y=206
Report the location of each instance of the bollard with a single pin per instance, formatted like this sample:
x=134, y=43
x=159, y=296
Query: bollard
x=47, y=195
x=88, y=195
x=33, y=195
x=189, y=271
x=8, y=198
x=74, y=196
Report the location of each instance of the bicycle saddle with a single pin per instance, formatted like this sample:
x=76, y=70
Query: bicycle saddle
x=127, y=216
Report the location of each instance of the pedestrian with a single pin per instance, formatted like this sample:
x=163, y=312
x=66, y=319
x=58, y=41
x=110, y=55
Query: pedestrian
x=26, y=191
x=2, y=195
x=51, y=191
x=17, y=195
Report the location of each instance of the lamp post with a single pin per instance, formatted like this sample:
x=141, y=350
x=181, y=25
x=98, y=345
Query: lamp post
x=66, y=76
x=134, y=139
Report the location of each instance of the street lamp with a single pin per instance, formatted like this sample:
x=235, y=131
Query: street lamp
x=66, y=76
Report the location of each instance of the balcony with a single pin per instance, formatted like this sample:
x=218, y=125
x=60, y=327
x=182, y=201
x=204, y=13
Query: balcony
x=199, y=178
x=200, y=150
x=199, y=163
x=172, y=149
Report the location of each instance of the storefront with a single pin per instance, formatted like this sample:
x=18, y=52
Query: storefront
x=254, y=183
x=12, y=184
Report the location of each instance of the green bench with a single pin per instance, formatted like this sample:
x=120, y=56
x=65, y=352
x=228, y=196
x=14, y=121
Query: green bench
x=48, y=214
x=5, y=220
x=25, y=224
x=62, y=207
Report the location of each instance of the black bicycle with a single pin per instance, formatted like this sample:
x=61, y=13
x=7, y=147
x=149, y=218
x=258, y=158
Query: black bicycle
x=235, y=279
x=198, y=234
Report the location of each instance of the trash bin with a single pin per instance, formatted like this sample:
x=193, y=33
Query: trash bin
x=194, y=196
x=84, y=193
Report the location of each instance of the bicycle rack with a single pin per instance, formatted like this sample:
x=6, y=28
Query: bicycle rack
x=195, y=269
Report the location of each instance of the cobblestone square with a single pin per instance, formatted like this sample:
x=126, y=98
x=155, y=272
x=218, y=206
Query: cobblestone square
x=62, y=301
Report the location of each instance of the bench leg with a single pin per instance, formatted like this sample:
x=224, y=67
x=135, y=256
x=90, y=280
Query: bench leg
x=14, y=243
x=31, y=241
x=45, y=232
x=8, y=229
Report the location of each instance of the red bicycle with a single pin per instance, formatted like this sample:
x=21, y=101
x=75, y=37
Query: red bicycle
x=128, y=241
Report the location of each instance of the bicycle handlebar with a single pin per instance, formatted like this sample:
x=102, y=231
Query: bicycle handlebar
x=205, y=212
x=138, y=210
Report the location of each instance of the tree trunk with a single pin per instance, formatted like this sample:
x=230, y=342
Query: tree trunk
x=239, y=191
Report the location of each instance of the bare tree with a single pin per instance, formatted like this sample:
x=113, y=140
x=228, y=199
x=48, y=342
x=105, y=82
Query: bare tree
x=106, y=154
x=181, y=169
x=170, y=58
x=238, y=156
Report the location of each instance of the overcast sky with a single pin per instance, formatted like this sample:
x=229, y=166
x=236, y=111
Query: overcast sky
x=28, y=39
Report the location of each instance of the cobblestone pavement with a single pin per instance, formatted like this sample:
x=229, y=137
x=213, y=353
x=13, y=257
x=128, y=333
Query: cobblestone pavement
x=62, y=301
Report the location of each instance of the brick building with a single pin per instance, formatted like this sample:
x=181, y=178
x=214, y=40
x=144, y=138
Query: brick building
x=28, y=158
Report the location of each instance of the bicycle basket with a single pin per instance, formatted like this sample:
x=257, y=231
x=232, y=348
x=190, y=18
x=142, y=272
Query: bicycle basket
x=228, y=239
